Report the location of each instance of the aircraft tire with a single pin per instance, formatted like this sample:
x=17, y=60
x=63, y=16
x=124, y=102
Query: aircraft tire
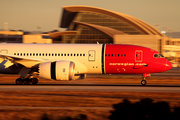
x=143, y=82
x=19, y=81
x=27, y=81
x=34, y=81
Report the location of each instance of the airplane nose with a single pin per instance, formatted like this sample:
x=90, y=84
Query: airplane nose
x=168, y=65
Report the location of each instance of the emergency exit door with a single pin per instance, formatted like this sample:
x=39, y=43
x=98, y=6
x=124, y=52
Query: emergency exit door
x=138, y=55
x=4, y=51
x=91, y=56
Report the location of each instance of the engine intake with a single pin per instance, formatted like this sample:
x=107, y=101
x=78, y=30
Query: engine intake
x=58, y=70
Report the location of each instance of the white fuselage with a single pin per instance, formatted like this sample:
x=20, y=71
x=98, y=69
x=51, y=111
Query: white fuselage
x=87, y=57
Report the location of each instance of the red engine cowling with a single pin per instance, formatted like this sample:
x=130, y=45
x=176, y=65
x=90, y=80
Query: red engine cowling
x=58, y=70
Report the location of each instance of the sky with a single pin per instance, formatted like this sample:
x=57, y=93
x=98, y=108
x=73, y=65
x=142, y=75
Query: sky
x=45, y=15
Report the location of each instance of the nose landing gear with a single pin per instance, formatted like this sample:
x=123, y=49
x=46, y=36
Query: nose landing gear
x=143, y=82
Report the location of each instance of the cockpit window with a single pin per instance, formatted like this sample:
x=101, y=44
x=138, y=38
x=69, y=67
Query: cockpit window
x=161, y=55
x=158, y=56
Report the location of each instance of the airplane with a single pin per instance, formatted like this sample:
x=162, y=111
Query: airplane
x=70, y=61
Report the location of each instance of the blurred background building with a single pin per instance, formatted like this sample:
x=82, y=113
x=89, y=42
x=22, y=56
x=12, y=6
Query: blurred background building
x=85, y=24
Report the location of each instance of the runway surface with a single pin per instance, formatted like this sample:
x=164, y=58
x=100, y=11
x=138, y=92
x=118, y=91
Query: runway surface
x=153, y=75
x=105, y=88
x=173, y=73
x=51, y=108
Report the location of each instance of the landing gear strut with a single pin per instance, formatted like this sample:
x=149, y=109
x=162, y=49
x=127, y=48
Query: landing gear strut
x=26, y=81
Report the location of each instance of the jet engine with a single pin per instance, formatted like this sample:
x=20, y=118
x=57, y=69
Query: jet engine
x=58, y=70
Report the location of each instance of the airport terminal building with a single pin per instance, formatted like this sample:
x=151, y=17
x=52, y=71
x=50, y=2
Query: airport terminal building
x=92, y=25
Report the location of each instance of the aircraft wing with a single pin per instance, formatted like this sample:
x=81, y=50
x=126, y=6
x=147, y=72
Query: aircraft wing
x=13, y=59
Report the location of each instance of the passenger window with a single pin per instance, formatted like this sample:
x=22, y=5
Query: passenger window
x=74, y=54
x=39, y=54
x=49, y=54
x=14, y=53
x=18, y=54
x=108, y=54
x=52, y=54
x=118, y=55
x=61, y=54
x=111, y=54
x=124, y=55
x=46, y=54
x=80, y=54
x=21, y=54
x=27, y=54
x=68, y=54
x=30, y=54
x=36, y=54
x=121, y=55
x=43, y=54
x=58, y=54
x=77, y=54
x=83, y=54
x=115, y=55
x=55, y=54
x=64, y=54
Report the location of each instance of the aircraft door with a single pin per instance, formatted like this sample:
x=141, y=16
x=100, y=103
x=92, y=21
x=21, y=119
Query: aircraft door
x=4, y=51
x=138, y=55
x=92, y=54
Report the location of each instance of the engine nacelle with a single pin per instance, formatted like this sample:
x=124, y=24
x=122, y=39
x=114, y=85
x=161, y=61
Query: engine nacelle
x=58, y=70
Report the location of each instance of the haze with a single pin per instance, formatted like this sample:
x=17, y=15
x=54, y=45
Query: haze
x=27, y=15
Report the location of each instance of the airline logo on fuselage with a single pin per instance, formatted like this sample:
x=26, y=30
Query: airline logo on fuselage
x=127, y=64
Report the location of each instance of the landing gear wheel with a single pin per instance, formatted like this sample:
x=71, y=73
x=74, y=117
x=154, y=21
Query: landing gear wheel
x=143, y=82
x=34, y=81
x=27, y=81
x=19, y=81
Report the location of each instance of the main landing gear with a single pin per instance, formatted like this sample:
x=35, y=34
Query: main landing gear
x=143, y=82
x=26, y=81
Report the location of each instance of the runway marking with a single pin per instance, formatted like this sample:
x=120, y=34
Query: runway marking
x=89, y=88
